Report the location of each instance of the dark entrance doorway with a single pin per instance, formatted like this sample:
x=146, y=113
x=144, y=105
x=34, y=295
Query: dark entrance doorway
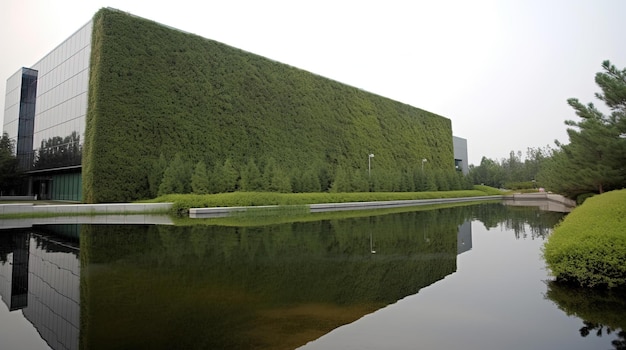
x=41, y=188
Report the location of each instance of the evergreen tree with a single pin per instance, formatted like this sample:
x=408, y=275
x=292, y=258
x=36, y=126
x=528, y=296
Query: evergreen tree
x=251, y=178
x=489, y=173
x=594, y=159
x=310, y=181
x=176, y=178
x=230, y=176
x=216, y=179
x=155, y=177
x=325, y=177
x=200, y=179
x=275, y=178
x=441, y=180
x=341, y=182
x=429, y=183
x=358, y=180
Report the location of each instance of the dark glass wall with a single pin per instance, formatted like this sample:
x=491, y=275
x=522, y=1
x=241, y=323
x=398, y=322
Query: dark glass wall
x=28, y=99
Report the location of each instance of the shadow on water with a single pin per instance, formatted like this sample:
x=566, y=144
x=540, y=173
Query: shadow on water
x=273, y=286
x=603, y=312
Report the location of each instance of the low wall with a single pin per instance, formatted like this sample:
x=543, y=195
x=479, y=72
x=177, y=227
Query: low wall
x=542, y=196
x=18, y=198
x=104, y=209
x=217, y=212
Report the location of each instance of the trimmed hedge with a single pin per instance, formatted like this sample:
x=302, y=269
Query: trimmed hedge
x=155, y=91
x=182, y=202
x=589, y=247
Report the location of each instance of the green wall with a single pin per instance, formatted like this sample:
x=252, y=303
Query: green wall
x=156, y=90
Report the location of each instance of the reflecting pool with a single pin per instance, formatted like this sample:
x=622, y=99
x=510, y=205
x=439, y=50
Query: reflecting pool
x=467, y=277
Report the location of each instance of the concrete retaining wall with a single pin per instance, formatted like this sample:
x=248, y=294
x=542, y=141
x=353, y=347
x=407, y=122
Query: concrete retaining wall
x=111, y=208
x=18, y=198
x=216, y=212
x=542, y=196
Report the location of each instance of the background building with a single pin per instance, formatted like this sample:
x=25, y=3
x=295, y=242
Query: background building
x=460, y=154
x=45, y=109
x=101, y=117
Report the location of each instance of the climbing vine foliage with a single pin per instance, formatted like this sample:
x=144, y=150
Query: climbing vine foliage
x=158, y=94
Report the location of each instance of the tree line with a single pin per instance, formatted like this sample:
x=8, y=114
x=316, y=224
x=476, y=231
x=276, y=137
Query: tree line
x=267, y=175
x=594, y=160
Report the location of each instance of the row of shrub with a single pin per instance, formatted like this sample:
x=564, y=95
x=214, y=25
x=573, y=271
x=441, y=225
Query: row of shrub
x=588, y=248
x=182, y=202
x=180, y=176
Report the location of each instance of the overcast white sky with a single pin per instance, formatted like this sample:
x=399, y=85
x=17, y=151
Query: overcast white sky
x=500, y=70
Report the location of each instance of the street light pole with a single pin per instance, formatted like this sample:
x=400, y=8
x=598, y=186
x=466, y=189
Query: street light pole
x=369, y=164
x=424, y=160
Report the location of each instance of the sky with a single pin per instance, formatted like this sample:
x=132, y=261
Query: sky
x=501, y=71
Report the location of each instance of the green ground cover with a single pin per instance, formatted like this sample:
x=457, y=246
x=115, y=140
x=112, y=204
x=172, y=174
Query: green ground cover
x=182, y=202
x=289, y=205
x=589, y=247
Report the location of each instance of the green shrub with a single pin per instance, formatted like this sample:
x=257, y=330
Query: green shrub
x=182, y=202
x=589, y=247
x=491, y=191
x=581, y=198
x=525, y=185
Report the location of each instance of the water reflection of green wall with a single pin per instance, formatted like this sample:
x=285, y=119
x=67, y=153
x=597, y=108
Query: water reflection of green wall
x=273, y=286
x=219, y=287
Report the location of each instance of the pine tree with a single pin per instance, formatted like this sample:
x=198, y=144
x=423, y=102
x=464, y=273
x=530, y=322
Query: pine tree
x=275, y=178
x=251, y=177
x=200, y=179
x=155, y=177
x=176, y=178
x=594, y=159
x=230, y=176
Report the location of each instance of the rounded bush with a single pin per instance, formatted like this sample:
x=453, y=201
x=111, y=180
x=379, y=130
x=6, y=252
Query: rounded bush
x=588, y=247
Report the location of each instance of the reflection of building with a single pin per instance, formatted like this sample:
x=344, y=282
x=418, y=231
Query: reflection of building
x=14, y=274
x=47, y=105
x=42, y=279
x=464, y=237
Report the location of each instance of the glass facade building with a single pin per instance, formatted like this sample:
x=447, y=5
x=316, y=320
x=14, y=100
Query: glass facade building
x=169, y=92
x=45, y=109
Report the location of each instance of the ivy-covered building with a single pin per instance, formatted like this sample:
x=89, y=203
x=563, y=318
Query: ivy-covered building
x=102, y=115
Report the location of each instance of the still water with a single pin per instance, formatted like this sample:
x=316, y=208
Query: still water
x=469, y=277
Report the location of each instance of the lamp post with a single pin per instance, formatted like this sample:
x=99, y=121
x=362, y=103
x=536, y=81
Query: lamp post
x=424, y=160
x=369, y=164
